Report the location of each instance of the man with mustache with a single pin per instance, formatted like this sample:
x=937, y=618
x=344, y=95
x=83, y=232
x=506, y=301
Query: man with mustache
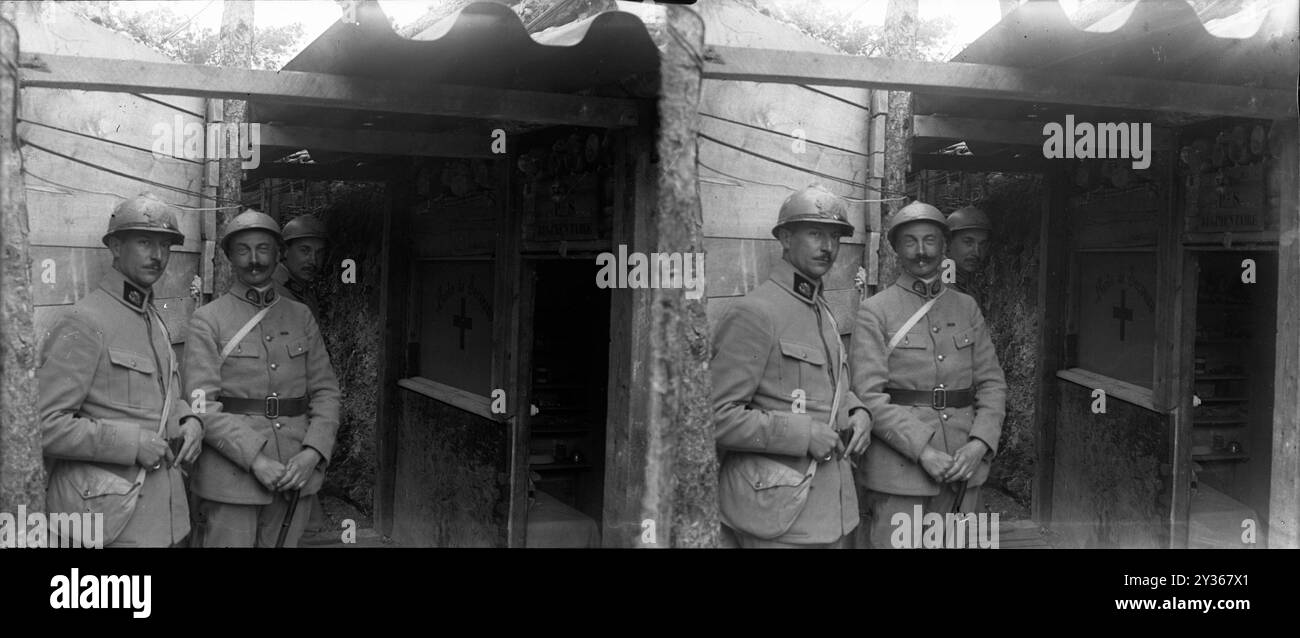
x=969, y=229
x=106, y=374
x=785, y=420
x=924, y=365
x=272, y=400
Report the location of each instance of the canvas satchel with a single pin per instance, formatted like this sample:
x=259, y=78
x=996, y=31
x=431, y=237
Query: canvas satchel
x=80, y=487
x=761, y=496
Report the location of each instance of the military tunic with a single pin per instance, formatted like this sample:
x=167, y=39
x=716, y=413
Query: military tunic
x=948, y=348
x=778, y=339
x=100, y=377
x=283, y=357
x=289, y=286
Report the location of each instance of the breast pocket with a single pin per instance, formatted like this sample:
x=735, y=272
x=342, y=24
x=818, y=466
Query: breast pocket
x=805, y=365
x=133, y=381
x=914, y=340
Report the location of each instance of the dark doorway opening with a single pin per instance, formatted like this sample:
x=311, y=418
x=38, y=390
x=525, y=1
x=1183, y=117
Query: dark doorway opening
x=570, y=372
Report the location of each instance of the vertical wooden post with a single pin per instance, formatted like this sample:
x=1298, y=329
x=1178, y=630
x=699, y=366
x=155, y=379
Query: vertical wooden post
x=878, y=101
x=900, y=43
x=681, y=464
x=236, y=42
x=1284, y=492
x=1052, y=270
x=22, y=474
x=1172, y=389
x=394, y=293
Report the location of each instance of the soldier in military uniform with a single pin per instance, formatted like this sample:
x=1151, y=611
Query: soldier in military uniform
x=271, y=397
x=931, y=380
x=781, y=400
x=304, y=254
x=105, y=374
x=969, y=230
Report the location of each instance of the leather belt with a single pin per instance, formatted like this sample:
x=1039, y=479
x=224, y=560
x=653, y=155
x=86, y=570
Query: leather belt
x=269, y=407
x=937, y=398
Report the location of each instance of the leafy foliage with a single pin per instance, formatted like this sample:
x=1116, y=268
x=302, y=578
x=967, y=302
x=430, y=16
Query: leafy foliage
x=839, y=29
x=178, y=38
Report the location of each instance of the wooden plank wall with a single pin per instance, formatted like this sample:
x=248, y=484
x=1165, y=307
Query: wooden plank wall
x=68, y=258
x=738, y=214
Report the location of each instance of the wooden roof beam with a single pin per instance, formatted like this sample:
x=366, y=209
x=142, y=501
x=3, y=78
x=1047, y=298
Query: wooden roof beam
x=961, y=79
x=1015, y=132
x=326, y=90
x=379, y=142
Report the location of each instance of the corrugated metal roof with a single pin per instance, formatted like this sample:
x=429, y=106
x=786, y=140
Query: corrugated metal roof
x=1157, y=39
x=485, y=45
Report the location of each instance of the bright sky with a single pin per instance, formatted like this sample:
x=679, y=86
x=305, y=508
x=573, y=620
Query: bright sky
x=970, y=18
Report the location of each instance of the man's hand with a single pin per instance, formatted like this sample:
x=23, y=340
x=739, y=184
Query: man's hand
x=299, y=469
x=823, y=442
x=935, y=463
x=152, y=450
x=268, y=471
x=860, y=421
x=966, y=461
x=192, y=430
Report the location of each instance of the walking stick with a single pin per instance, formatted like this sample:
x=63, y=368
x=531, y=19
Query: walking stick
x=961, y=496
x=288, y=519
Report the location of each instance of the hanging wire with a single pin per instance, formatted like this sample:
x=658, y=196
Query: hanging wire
x=106, y=140
x=118, y=173
x=801, y=169
x=785, y=186
x=786, y=135
x=67, y=188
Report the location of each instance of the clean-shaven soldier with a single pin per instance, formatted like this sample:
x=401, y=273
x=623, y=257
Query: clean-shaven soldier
x=272, y=400
x=105, y=375
x=305, y=241
x=924, y=365
x=968, y=247
x=781, y=396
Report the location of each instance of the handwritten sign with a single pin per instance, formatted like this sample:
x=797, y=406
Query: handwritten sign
x=456, y=324
x=1117, y=301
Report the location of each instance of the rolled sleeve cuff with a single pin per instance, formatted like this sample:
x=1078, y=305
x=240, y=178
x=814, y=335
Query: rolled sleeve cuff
x=120, y=442
x=790, y=433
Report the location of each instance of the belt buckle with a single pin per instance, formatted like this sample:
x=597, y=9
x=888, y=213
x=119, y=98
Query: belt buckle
x=272, y=407
x=938, y=398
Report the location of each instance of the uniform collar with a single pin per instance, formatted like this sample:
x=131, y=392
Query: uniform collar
x=285, y=278
x=911, y=284
x=130, y=295
x=786, y=276
x=251, y=295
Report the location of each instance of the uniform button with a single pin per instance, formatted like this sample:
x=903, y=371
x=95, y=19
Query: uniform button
x=944, y=416
x=274, y=366
x=940, y=358
x=936, y=329
x=277, y=424
x=275, y=394
x=268, y=337
x=941, y=386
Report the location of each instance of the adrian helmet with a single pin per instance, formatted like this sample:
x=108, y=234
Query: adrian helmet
x=249, y=220
x=145, y=212
x=968, y=218
x=815, y=204
x=915, y=212
x=302, y=227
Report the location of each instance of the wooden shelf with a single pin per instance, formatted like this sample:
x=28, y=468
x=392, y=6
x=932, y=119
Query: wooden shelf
x=553, y=432
x=1208, y=342
x=551, y=467
x=1224, y=399
x=1244, y=304
x=1209, y=421
x=1221, y=456
x=1221, y=377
